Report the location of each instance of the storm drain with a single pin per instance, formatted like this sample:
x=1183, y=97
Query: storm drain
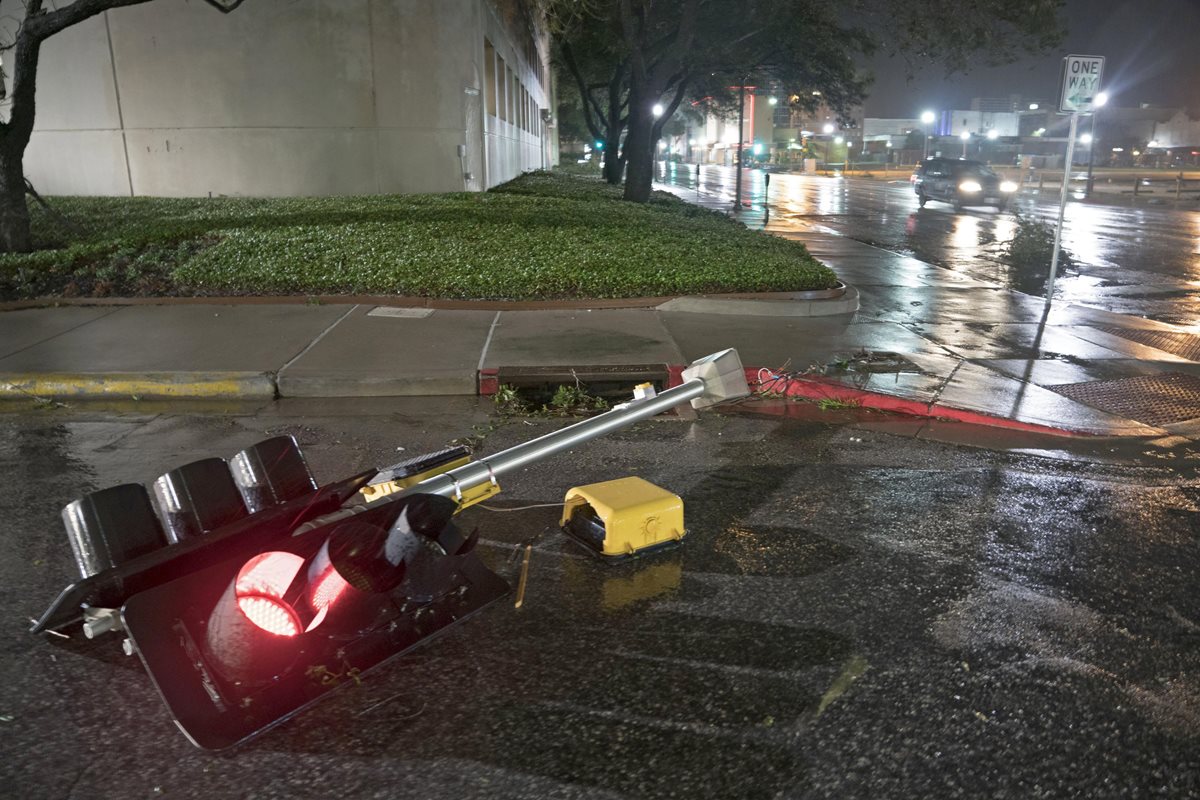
x=1184, y=345
x=610, y=381
x=1153, y=399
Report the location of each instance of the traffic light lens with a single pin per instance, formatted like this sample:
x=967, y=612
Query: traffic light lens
x=260, y=587
x=271, y=615
x=268, y=574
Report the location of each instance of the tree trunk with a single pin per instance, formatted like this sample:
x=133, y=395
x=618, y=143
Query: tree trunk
x=614, y=166
x=639, y=152
x=14, y=213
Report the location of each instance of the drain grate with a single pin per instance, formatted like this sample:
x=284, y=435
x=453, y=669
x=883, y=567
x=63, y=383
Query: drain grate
x=1184, y=345
x=1153, y=399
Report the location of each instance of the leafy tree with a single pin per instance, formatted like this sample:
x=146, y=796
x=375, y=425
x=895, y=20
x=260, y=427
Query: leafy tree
x=36, y=25
x=594, y=51
x=654, y=52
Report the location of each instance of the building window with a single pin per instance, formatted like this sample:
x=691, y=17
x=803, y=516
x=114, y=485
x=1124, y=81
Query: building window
x=515, y=93
x=489, y=76
x=502, y=88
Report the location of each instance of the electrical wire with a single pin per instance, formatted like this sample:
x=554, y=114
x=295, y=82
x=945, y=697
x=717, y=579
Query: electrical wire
x=520, y=508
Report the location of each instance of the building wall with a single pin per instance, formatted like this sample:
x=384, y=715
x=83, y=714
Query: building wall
x=977, y=123
x=891, y=126
x=282, y=98
x=1179, y=131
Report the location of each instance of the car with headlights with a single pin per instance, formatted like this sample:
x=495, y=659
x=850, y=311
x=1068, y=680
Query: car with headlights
x=962, y=183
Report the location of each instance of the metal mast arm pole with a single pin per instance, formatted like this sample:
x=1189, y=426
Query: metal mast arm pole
x=450, y=484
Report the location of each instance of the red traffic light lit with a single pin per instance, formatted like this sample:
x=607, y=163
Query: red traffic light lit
x=259, y=588
x=243, y=645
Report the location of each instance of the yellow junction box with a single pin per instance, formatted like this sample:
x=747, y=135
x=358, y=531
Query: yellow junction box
x=621, y=518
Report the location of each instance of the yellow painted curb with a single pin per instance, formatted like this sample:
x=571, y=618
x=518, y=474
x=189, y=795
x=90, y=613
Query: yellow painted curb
x=159, y=385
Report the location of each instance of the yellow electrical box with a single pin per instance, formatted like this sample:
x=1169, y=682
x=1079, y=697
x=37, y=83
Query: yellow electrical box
x=623, y=518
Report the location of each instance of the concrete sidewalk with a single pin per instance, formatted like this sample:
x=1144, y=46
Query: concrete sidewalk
x=923, y=340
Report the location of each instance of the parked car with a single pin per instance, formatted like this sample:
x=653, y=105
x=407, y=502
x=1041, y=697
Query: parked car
x=961, y=183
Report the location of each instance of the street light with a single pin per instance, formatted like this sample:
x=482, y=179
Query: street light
x=657, y=110
x=926, y=120
x=966, y=137
x=1098, y=101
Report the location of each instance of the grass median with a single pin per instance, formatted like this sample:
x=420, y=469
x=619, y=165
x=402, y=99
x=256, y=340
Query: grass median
x=541, y=236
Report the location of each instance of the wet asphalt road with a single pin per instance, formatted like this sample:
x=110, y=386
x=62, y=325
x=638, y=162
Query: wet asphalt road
x=1143, y=260
x=856, y=613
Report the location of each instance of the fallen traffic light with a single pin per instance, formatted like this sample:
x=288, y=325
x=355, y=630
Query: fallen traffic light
x=249, y=592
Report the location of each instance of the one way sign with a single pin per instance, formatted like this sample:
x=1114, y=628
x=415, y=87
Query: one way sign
x=1080, y=84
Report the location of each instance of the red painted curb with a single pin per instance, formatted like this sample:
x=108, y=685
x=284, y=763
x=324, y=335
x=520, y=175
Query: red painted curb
x=489, y=382
x=812, y=387
x=817, y=388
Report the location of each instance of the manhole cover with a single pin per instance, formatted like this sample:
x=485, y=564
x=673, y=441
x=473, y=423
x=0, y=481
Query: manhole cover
x=1153, y=399
x=1184, y=345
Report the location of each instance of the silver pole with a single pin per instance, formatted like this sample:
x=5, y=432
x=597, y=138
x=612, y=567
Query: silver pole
x=468, y=476
x=1062, y=206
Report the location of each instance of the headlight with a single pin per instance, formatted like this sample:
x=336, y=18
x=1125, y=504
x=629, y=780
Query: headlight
x=970, y=187
x=1007, y=186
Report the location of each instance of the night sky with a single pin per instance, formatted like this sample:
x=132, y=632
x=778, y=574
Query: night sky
x=1151, y=47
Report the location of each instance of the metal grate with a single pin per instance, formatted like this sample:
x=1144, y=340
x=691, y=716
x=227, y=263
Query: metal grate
x=1184, y=345
x=1153, y=399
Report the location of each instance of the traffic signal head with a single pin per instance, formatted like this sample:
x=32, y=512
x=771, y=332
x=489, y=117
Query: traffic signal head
x=244, y=644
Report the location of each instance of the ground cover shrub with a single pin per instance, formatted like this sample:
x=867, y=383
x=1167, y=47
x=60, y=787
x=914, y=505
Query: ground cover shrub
x=1029, y=252
x=544, y=235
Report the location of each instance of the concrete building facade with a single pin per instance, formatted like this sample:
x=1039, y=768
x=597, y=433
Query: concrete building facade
x=285, y=98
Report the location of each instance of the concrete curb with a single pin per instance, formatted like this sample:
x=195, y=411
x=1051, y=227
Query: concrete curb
x=779, y=306
x=148, y=385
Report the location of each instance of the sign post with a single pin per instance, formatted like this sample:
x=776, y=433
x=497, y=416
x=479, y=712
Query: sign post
x=1080, y=85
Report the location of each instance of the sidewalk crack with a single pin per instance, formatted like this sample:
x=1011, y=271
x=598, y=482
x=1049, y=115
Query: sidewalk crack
x=937, y=394
x=60, y=333
x=315, y=341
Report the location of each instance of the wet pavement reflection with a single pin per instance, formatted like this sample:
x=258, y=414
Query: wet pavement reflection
x=857, y=612
x=1143, y=261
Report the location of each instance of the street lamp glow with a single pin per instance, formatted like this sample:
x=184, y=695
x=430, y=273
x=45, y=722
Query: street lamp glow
x=1034, y=106
x=1085, y=138
x=828, y=127
x=1101, y=99
x=965, y=135
x=657, y=110
x=927, y=117
x=1153, y=143
x=993, y=134
x=773, y=101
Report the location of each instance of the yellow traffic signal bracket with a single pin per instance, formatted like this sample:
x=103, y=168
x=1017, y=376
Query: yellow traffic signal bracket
x=465, y=497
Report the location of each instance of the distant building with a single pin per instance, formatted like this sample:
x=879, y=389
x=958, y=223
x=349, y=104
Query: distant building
x=286, y=98
x=977, y=122
x=997, y=105
x=771, y=131
x=1179, y=131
